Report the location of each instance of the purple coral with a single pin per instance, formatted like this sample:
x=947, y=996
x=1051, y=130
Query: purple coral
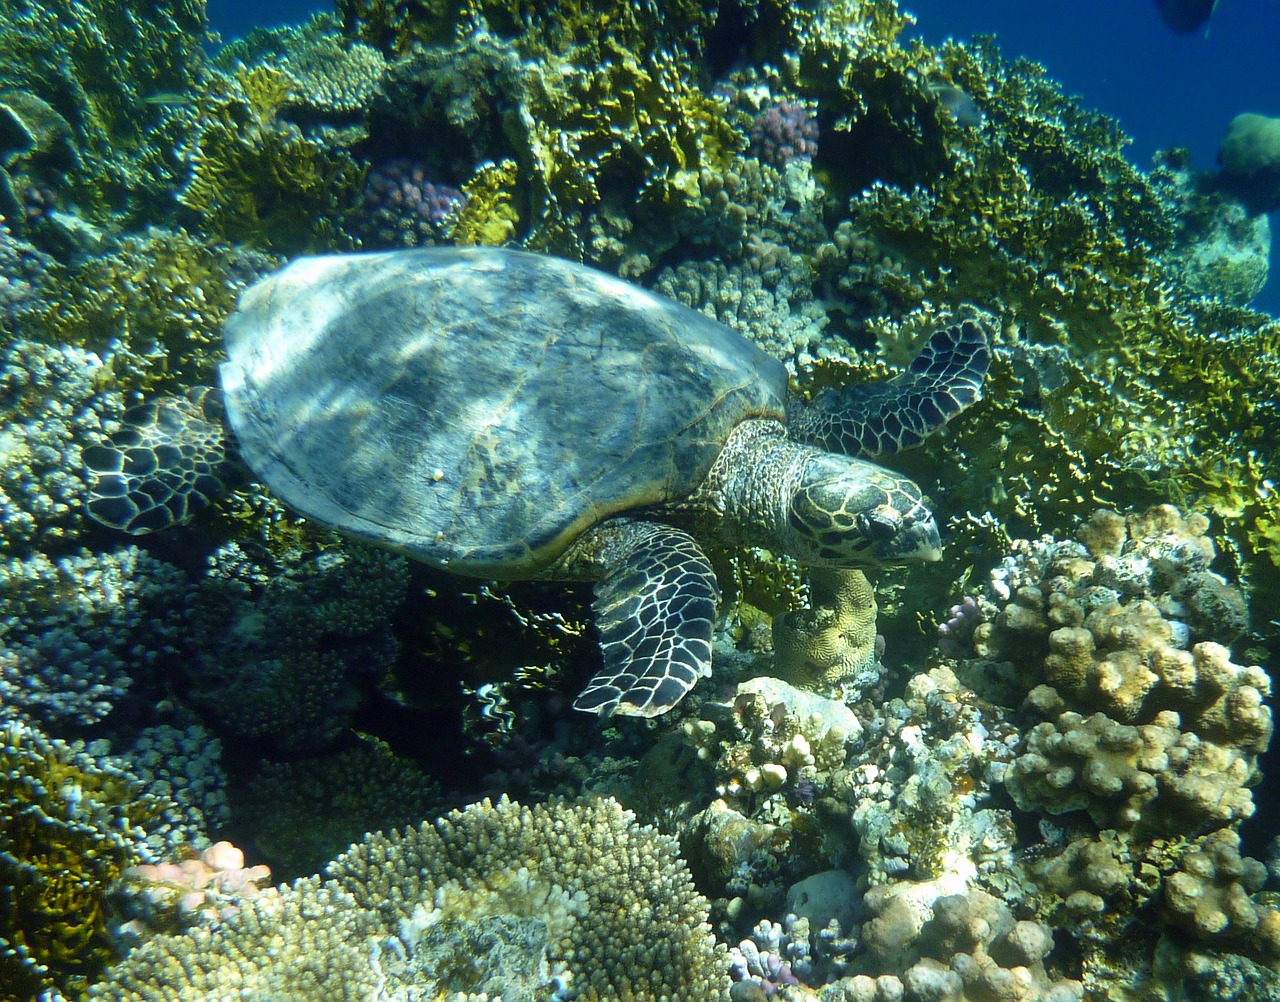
x=956, y=633
x=402, y=208
x=784, y=132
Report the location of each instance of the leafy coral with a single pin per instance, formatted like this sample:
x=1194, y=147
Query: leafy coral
x=258, y=177
x=68, y=829
x=122, y=77
x=597, y=121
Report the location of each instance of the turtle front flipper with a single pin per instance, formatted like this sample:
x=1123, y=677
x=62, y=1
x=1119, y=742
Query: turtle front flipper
x=654, y=607
x=162, y=466
x=869, y=419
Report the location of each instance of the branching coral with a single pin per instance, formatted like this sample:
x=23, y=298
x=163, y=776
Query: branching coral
x=257, y=177
x=494, y=899
x=286, y=649
x=593, y=124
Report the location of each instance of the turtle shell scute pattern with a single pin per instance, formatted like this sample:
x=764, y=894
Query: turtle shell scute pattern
x=478, y=408
x=163, y=465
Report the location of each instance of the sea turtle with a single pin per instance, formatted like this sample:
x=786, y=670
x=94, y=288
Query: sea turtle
x=502, y=414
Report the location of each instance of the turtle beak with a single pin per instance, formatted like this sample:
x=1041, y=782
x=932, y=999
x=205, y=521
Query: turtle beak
x=927, y=540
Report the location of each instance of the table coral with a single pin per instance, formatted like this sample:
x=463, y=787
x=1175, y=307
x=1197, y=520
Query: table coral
x=496, y=898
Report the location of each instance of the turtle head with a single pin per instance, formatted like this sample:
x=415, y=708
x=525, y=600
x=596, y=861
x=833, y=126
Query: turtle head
x=846, y=512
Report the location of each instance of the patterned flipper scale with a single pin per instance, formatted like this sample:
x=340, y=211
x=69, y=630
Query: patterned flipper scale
x=871, y=419
x=654, y=611
x=164, y=464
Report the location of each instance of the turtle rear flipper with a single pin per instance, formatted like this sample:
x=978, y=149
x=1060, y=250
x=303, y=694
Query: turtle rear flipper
x=164, y=464
x=655, y=608
x=870, y=419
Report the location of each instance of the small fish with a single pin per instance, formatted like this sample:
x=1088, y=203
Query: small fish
x=958, y=103
x=167, y=98
x=1185, y=16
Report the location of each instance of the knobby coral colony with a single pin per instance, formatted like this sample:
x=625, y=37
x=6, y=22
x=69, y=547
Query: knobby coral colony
x=811, y=177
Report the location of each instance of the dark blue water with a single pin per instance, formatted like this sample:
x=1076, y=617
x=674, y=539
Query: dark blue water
x=1117, y=55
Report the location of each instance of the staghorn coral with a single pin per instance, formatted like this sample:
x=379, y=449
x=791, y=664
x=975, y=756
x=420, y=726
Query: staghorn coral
x=496, y=898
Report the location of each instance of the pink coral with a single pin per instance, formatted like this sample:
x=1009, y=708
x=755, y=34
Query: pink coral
x=784, y=132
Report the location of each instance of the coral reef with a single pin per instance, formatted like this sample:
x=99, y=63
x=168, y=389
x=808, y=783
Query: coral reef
x=70, y=824
x=598, y=126
x=285, y=647
x=80, y=631
x=304, y=813
x=491, y=900
x=257, y=177
x=1077, y=760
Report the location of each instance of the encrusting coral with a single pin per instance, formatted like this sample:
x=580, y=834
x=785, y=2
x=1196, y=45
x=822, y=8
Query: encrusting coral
x=496, y=899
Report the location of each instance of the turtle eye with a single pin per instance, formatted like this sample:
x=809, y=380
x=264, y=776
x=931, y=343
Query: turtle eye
x=880, y=525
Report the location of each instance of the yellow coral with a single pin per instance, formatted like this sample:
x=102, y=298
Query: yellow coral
x=66, y=825
x=834, y=641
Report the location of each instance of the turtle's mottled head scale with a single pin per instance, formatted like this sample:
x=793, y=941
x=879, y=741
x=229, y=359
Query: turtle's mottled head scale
x=846, y=512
